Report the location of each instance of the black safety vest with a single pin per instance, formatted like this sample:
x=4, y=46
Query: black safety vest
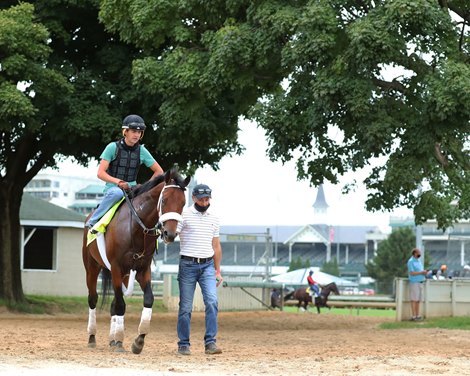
x=126, y=163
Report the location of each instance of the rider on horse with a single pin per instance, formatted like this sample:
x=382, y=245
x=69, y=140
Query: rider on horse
x=314, y=289
x=119, y=165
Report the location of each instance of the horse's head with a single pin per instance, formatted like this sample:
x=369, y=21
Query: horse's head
x=334, y=288
x=170, y=204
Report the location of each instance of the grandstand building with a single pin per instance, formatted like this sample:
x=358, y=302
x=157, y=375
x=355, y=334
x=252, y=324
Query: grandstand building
x=450, y=247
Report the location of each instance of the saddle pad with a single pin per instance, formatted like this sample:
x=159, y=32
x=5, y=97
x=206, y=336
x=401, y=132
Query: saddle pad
x=307, y=290
x=101, y=225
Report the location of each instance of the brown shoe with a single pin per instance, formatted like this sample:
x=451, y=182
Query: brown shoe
x=211, y=348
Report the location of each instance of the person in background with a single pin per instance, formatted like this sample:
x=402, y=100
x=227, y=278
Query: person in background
x=314, y=289
x=119, y=165
x=437, y=274
x=416, y=277
x=200, y=257
x=466, y=271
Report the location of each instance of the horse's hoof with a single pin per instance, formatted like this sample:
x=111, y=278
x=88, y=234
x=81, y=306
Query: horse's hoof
x=138, y=345
x=92, y=342
x=118, y=347
x=112, y=343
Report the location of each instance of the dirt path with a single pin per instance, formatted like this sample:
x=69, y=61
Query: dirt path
x=254, y=343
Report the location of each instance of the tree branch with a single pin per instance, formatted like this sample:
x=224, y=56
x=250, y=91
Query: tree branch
x=391, y=85
x=443, y=4
x=441, y=158
x=462, y=34
x=455, y=9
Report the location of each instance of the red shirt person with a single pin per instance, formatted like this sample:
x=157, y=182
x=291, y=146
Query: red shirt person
x=314, y=289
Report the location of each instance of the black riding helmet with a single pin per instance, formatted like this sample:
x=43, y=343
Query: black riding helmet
x=133, y=122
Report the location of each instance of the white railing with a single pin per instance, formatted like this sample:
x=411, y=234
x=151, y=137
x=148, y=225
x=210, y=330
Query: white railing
x=442, y=298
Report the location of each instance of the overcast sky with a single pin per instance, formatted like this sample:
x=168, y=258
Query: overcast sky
x=251, y=190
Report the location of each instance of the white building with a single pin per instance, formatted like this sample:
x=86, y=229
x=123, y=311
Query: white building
x=68, y=191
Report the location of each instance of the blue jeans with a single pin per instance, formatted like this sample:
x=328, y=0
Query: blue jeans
x=189, y=274
x=315, y=290
x=112, y=195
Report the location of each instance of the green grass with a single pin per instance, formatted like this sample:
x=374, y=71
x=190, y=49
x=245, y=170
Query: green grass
x=370, y=312
x=462, y=323
x=437, y=322
x=41, y=304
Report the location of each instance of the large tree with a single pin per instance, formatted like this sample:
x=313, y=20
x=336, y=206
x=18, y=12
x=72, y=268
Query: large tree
x=23, y=57
x=65, y=85
x=341, y=85
x=384, y=85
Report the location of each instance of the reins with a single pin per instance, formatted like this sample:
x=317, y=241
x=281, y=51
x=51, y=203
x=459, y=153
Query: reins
x=146, y=230
x=162, y=217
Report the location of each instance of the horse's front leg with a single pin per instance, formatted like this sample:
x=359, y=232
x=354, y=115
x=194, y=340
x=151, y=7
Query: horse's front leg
x=317, y=301
x=144, y=326
x=118, y=309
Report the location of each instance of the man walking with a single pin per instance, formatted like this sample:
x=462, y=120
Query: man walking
x=200, y=256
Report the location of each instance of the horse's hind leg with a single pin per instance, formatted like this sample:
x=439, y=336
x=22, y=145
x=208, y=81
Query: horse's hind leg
x=144, y=326
x=92, y=272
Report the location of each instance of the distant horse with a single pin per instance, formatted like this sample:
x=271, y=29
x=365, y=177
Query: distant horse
x=303, y=296
x=130, y=242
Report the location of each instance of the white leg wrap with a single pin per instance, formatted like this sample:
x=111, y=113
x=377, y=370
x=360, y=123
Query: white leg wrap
x=119, y=334
x=144, y=326
x=91, y=321
x=112, y=328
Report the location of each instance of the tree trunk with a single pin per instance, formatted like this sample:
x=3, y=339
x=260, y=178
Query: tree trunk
x=11, y=288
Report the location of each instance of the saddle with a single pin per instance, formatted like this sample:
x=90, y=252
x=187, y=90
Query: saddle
x=101, y=225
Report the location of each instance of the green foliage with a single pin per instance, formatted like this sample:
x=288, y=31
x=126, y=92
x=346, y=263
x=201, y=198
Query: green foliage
x=335, y=84
x=391, y=260
x=364, y=312
x=331, y=267
x=298, y=263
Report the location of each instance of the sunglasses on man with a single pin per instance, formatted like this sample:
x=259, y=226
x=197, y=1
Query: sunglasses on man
x=201, y=191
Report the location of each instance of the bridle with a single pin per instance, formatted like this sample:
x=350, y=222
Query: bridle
x=162, y=217
x=155, y=231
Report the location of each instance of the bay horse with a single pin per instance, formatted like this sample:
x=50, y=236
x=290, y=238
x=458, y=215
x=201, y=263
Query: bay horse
x=304, y=297
x=130, y=242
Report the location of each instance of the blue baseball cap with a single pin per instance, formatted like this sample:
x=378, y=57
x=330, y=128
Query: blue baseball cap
x=201, y=191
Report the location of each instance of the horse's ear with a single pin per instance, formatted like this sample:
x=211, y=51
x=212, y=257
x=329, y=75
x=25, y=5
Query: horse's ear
x=187, y=180
x=167, y=176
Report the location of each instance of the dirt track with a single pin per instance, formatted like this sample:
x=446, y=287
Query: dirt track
x=254, y=343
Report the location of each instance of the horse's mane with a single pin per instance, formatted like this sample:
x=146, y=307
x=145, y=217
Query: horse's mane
x=147, y=186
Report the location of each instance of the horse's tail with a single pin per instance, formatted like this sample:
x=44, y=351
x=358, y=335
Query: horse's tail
x=289, y=295
x=105, y=285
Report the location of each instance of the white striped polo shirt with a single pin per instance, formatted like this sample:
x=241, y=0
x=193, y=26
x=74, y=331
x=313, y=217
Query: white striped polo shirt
x=196, y=233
